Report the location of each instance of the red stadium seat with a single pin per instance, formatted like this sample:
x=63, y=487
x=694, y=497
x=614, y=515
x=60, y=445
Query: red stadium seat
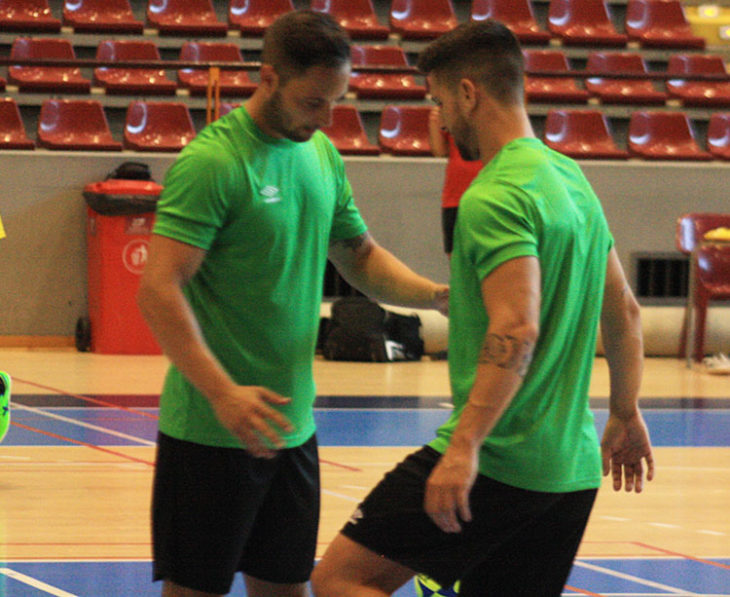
x=232, y=82
x=422, y=19
x=227, y=107
x=551, y=89
x=252, y=17
x=185, y=17
x=383, y=85
x=621, y=91
x=100, y=16
x=698, y=93
x=404, y=130
x=75, y=125
x=347, y=132
x=126, y=81
x=581, y=134
x=663, y=136
x=583, y=23
x=46, y=79
x=28, y=15
x=718, y=135
x=12, y=131
x=158, y=126
x=660, y=23
x=712, y=273
x=357, y=17
x=2, y=84
x=516, y=14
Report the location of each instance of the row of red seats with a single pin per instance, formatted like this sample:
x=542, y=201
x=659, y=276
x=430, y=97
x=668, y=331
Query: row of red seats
x=155, y=81
x=167, y=126
x=238, y=82
x=652, y=23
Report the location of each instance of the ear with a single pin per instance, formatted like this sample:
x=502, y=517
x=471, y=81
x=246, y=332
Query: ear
x=467, y=95
x=269, y=78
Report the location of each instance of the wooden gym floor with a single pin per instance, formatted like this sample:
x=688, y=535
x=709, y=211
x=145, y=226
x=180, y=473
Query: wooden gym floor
x=76, y=469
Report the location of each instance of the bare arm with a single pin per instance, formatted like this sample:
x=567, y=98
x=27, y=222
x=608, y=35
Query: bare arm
x=242, y=409
x=511, y=296
x=376, y=272
x=625, y=442
x=439, y=145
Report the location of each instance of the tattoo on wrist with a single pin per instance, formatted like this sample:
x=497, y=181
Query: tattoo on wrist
x=507, y=352
x=355, y=242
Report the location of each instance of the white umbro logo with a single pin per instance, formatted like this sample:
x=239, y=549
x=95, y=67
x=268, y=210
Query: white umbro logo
x=270, y=194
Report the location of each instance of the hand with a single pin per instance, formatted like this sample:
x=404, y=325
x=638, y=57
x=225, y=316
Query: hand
x=624, y=445
x=441, y=300
x=246, y=413
x=448, y=488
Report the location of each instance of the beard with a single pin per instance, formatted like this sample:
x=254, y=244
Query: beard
x=281, y=122
x=465, y=140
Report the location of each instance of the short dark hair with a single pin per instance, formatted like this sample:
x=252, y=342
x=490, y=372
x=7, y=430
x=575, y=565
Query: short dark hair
x=486, y=51
x=301, y=39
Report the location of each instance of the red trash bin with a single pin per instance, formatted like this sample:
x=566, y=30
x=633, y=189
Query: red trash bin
x=119, y=224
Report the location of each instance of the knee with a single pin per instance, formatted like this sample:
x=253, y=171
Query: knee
x=323, y=583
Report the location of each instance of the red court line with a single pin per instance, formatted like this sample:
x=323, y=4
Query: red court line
x=682, y=555
x=87, y=399
x=582, y=591
x=138, y=412
x=80, y=443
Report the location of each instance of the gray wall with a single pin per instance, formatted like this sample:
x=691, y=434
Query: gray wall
x=43, y=260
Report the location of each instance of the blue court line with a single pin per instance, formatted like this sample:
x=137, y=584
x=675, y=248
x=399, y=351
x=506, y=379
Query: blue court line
x=354, y=427
x=649, y=577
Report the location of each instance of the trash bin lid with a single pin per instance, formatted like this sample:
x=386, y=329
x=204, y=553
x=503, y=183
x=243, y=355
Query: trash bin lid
x=120, y=186
x=116, y=197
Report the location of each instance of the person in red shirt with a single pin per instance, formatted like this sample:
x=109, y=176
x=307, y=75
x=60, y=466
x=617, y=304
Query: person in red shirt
x=459, y=174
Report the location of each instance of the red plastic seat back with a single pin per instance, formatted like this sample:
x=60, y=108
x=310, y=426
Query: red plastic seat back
x=194, y=51
x=12, y=131
x=583, y=21
x=660, y=23
x=347, y=132
x=181, y=16
x=46, y=78
x=696, y=64
x=117, y=50
x=615, y=90
x=27, y=15
x=158, y=126
x=691, y=228
x=718, y=135
x=74, y=124
x=383, y=85
x=581, y=134
x=254, y=16
x=713, y=270
x=663, y=135
x=404, y=130
x=357, y=17
x=516, y=14
x=101, y=15
x=422, y=18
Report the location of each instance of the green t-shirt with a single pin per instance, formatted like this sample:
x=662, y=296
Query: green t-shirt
x=532, y=201
x=265, y=210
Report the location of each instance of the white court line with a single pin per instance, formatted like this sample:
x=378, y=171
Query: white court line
x=636, y=579
x=36, y=584
x=341, y=496
x=119, y=434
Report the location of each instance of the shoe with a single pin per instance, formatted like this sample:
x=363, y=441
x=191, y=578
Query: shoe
x=427, y=587
x=4, y=404
x=718, y=364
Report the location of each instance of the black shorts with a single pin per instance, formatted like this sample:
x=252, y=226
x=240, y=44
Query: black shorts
x=217, y=511
x=448, y=221
x=519, y=543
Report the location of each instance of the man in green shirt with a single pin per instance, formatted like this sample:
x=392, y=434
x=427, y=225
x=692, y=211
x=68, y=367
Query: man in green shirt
x=500, y=499
x=251, y=211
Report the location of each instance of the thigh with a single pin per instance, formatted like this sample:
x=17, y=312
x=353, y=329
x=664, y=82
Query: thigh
x=283, y=540
x=205, y=501
x=535, y=561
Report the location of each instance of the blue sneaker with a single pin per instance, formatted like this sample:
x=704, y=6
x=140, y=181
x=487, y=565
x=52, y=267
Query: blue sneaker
x=427, y=587
x=4, y=404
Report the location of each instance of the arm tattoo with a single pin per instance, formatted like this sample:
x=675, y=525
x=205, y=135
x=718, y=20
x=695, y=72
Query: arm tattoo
x=507, y=352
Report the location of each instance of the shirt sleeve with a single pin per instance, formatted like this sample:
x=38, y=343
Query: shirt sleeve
x=194, y=203
x=495, y=229
x=347, y=221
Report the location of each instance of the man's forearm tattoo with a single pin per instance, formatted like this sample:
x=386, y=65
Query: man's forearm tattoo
x=507, y=352
x=355, y=242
